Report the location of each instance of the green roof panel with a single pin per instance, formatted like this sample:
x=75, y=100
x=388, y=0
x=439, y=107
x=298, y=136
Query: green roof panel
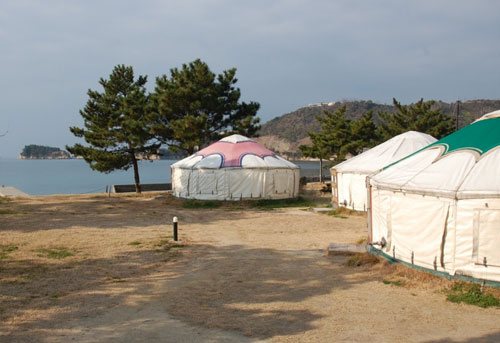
x=480, y=136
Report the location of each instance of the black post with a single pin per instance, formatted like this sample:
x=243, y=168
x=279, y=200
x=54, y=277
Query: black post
x=175, y=229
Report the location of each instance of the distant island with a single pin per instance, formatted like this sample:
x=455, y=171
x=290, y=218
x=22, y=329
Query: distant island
x=165, y=154
x=33, y=151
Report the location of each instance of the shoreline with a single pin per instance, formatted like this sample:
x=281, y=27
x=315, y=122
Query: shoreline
x=45, y=177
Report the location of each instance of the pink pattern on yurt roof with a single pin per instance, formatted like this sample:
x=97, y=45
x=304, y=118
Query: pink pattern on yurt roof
x=233, y=153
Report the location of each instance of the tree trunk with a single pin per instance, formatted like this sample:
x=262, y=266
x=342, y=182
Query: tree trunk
x=136, y=175
x=320, y=170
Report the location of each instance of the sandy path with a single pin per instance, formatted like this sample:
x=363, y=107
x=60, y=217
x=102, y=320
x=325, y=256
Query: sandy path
x=243, y=276
x=269, y=280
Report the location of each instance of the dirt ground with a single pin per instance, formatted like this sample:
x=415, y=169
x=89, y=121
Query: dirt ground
x=90, y=268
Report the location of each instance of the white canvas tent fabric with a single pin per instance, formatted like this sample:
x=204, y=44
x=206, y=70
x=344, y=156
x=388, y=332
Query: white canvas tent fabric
x=440, y=207
x=351, y=174
x=235, y=168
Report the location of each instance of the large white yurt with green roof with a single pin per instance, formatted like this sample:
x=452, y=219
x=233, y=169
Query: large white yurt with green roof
x=439, y=208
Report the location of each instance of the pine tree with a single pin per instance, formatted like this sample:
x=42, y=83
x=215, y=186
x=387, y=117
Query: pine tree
x=337, y=129
x=419, y=117
x=363, y=135
x=116, y=124
x=319, y=149
x=329, y=142
x=195, y=107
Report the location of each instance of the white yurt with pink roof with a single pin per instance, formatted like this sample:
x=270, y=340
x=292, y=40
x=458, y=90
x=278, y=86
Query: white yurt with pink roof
x=235, y=168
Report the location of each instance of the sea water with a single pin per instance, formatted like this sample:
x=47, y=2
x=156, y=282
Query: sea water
x=74, y=176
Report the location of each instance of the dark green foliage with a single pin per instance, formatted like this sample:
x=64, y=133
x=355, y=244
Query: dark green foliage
x=295, y=125
x=319, y=149
x=363, y=135
x=469, y=110
x=336, y=138
x=336, y=130
x=41, y=151
x=340, y=135
x=471, y=294
x=116, y=124
x=195, y=107
x=421, y=116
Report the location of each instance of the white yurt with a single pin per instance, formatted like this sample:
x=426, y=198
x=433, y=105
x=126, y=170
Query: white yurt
x=349, y=177
x=440, y=207
x=235, y=168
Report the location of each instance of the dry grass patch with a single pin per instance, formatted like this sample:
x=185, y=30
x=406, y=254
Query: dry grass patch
x=363, y=259
x=344, y=213
x=347, y=211
x=77, y=249
x=9, y=212
x=415, y=278
x=4, y=200
x=362, y=241
x=5, y=250
x=253, y=271
x=259, y=204
x=55, y=253
x=456, y=291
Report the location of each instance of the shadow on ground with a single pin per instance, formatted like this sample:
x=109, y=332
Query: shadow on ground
x=49, y=213
x=257, y=292
x=491, y=338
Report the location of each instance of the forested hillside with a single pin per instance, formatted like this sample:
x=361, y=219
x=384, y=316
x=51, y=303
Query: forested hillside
x=291, y=129
x=294, y=126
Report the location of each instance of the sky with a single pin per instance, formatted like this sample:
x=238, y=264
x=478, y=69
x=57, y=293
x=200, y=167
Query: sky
x=288, y=53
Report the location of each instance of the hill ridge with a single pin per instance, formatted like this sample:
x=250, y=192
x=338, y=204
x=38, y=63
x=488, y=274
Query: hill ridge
x=285, y=133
